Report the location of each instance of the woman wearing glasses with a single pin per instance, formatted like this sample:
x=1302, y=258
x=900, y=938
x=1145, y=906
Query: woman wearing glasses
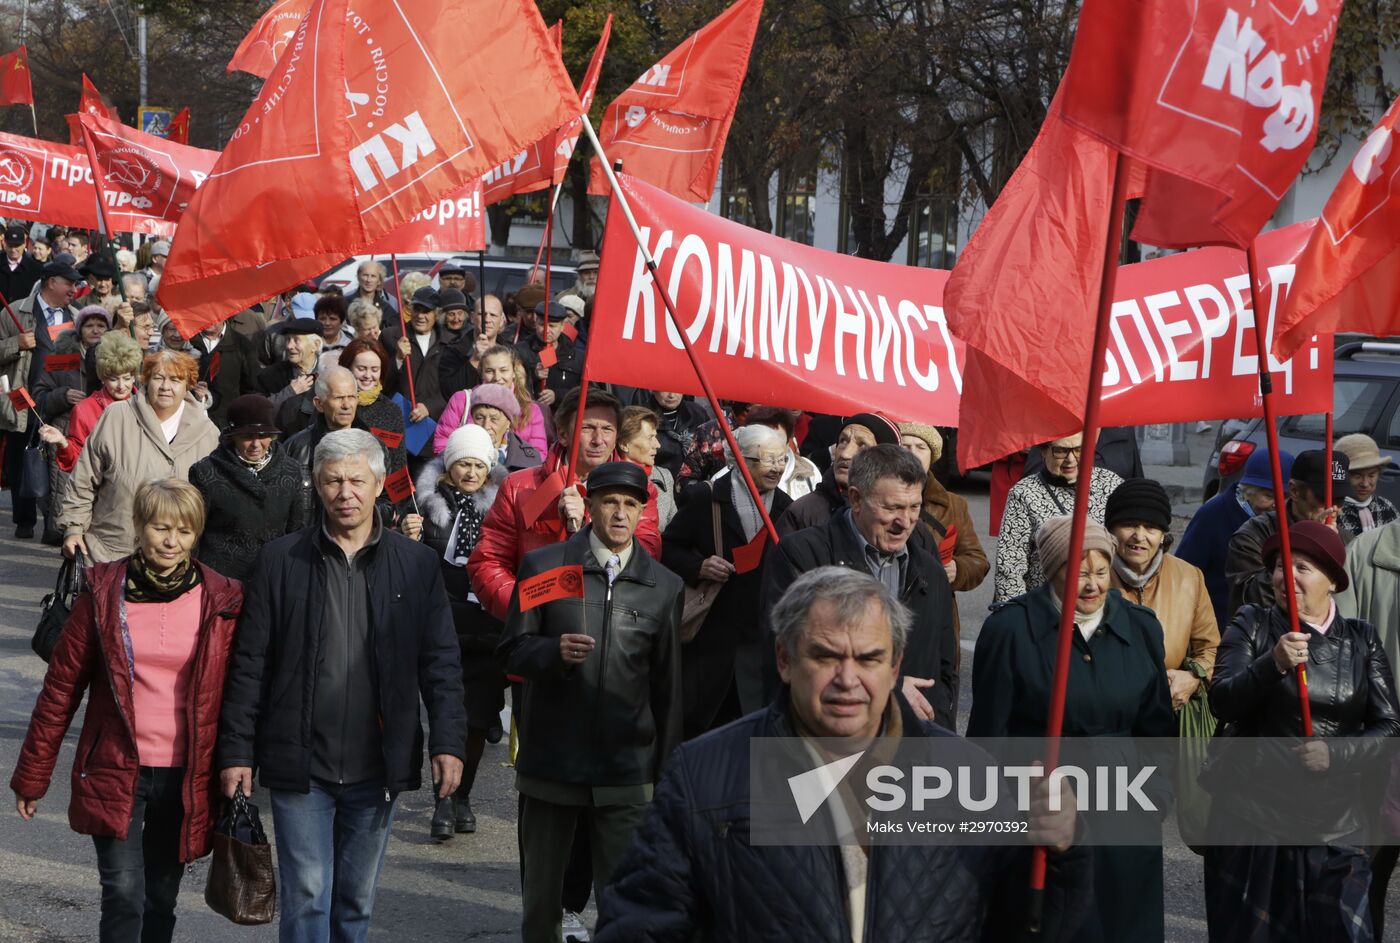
x=1033, y=501
x=722, y=666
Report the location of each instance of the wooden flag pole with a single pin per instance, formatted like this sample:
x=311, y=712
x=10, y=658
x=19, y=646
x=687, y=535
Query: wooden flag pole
x=1266, y=388
x=670, y=307
x=1069, y=592
x=1327, y=437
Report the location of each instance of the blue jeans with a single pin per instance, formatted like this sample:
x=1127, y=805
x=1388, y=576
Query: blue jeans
x=330, y=846
x=141, y=874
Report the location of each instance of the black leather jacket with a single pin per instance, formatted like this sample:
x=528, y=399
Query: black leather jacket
x=612, y=720
x=1351, y=691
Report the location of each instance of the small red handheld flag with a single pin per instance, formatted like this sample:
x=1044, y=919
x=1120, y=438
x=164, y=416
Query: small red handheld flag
x=562, y=582
x=58, y=363
x=948, y=544
x=548, y=357
x=16, y=87
x=1348, y=278
x=21, y=400
x=750, y=555
x=399, y=485
x=670, y=126
x=390, y=438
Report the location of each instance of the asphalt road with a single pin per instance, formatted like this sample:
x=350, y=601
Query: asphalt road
x=466, y=889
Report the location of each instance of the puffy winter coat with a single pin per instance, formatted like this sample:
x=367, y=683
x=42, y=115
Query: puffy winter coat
x=245, y=509
x=477, y=630
x=692, y=874
x=91, y=656
x=506, y=536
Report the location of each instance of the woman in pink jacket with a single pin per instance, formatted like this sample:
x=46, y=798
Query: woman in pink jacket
x=498, y=365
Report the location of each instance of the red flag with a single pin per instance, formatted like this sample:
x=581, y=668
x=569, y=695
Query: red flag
x=454, y=223
x=332, y=156
x=669, y=127
x=21, y=400
x=91, y=102
x=268, y=39
x=399, y=485
x=1052, y=216
x=179, y=129
x=948, y=544
x=562, y=582
x=145, y=181
x=58, y=363
x=532, y=169
x=1219, y=97
x=1349, y=276
x=16, y=85
x=750, y=555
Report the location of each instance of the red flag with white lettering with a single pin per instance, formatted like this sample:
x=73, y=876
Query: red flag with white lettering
x=669, y=127
x=502, y=182
x=259, y=51
x=146, y=182
x=16, y=85
x=371, y=116
x=1349, y=276
x=1219, y=97
x=453, y=224
x=179, y=130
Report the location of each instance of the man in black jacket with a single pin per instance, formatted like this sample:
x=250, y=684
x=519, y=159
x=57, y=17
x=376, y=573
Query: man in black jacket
x=21, y=270
x=875, y=534
x=858, y=433
x=228, y=364
x=693, y=872
x=345, y=626
x=603, y=704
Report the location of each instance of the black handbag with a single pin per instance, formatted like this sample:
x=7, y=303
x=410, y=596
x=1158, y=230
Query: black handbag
x=242, y=885
x=57, y=605
x=34, y=476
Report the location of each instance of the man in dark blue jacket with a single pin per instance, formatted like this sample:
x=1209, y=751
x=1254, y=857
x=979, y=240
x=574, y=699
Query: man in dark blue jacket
x=345, y=626
x=700, y=869
x=1206, y=542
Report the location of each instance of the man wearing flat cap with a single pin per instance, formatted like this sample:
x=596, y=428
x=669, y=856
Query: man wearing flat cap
x=454, y=275
x=419, y=351
x=101, y=277
x=600, y=656
x=21, y=270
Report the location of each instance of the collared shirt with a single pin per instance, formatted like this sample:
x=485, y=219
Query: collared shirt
x=602, y=554
x=888, y=568
x=54, y=316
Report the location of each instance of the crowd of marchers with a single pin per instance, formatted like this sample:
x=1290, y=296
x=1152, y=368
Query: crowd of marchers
x=314, y=526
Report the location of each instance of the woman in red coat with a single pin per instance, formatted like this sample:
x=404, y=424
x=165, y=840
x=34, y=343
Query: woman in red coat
x=149, y=639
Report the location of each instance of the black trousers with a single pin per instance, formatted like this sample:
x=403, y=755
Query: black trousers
x=25, y=511
x=141, y=874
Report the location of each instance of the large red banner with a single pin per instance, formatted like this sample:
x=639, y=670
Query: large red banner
x=46, y=182
x=146, y=181
x=455, y=223
x=785, y=324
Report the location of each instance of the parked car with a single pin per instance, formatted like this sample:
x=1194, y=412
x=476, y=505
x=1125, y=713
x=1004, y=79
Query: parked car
x=1366, y=398
x=504, y=274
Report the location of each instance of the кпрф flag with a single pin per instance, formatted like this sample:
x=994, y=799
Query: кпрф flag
x=1219, y=98
x=367, y=120
x=668, y=128
x=1348, y=278
x=259, y=51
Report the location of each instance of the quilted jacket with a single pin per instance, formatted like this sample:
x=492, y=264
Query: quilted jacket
x=692, y=874
x=91, y=656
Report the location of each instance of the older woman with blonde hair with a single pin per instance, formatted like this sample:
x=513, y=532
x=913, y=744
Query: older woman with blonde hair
x=148, y=643
x=158, y=434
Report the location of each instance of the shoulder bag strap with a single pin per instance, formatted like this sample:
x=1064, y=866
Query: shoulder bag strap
x=714, y=517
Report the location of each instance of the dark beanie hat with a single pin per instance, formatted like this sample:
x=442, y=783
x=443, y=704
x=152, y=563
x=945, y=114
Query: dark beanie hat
x=1139, y=500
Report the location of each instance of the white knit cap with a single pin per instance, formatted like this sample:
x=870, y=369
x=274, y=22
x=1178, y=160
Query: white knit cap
x=469, y=442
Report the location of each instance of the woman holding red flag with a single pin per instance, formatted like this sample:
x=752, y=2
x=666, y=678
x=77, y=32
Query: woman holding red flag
x=722, y=666
x=1253, y=892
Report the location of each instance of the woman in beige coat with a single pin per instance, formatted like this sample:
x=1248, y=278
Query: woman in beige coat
x=159, y=433
x=1139, y=515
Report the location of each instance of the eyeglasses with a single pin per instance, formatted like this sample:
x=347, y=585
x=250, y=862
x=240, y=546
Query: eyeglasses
x=1064, y=453
x=774, y=462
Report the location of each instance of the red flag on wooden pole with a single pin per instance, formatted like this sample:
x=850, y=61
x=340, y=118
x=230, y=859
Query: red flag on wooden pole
x=179, y=130
x=669, y=127
x=90, y=102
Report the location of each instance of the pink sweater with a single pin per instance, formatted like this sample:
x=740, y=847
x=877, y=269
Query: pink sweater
x=164, y=636
x=454, y=415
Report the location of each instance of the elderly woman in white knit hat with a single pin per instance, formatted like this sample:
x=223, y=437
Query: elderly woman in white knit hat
x=455, y=490
x=1363, y=509
x=1117, y=688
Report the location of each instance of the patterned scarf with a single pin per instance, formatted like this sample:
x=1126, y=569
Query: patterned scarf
x=145, y=585
x=466, y=527
x=367, y=397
